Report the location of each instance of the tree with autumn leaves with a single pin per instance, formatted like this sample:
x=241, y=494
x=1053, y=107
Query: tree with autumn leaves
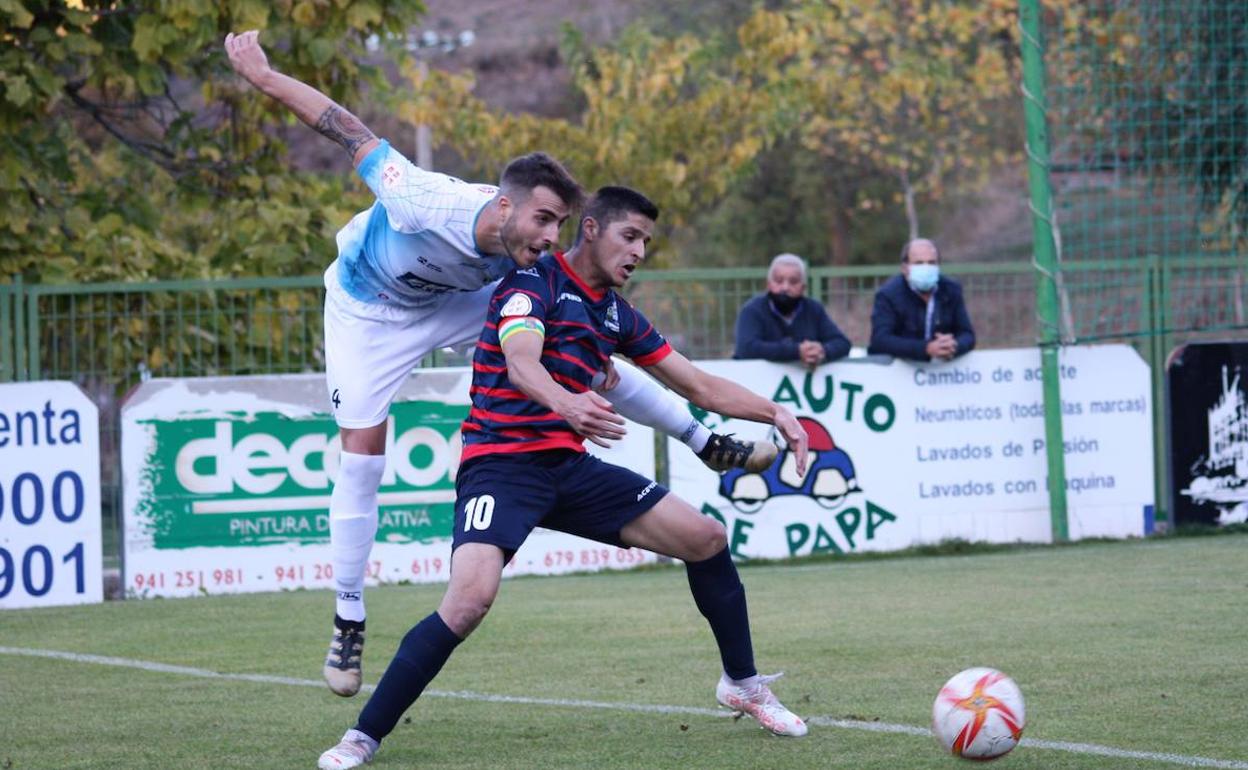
x=129, y=152
x=920, y=94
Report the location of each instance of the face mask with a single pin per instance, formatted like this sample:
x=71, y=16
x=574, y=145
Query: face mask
x=783, y=302
x=923, y=278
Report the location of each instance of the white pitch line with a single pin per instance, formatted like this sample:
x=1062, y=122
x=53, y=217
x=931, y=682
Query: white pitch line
x=642, y=708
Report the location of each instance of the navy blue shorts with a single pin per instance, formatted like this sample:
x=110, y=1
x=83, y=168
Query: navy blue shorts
x=500, y=498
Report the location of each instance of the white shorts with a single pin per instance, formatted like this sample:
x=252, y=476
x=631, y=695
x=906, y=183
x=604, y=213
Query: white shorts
x=371, y=348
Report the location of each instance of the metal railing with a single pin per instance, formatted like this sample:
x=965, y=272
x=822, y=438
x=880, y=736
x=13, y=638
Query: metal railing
x=118, y=334
x=108, y=337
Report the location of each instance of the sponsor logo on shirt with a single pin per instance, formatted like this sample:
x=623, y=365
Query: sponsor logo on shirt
x=425, y=261
x=518, y=305
x=613, y=318
x=568, y=296
x=646, y=491
x=426, y=286
x=529, y=271
x=391, y=173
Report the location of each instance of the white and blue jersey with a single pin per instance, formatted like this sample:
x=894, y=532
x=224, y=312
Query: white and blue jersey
x=417, y=242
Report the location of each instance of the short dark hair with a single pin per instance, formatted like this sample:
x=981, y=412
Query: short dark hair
x=526, y=173
x=612, y=203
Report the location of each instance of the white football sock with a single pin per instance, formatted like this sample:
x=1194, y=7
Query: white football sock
x=352, y=527
x=642, y=400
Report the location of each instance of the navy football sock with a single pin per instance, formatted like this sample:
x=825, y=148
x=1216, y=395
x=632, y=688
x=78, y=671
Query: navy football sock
x=720, y=597
x=421, y=655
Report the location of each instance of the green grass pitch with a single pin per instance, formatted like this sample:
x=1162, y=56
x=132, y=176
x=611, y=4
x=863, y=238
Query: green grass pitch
x=1137, y=649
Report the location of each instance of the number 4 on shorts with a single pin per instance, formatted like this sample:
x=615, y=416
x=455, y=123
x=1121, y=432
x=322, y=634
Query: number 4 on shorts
x=478, y=512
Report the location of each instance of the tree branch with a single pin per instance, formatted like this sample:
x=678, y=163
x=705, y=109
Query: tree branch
x=162, y=156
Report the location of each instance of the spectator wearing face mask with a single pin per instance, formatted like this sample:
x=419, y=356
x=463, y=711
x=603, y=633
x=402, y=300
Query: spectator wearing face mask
x=786, y=325
x=920, y=315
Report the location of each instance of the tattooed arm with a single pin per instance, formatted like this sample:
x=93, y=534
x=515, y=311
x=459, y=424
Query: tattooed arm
x=309, y=105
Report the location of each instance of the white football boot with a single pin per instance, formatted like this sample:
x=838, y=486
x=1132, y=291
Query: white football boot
x=342, y=671
x=355, y=749
x=757, y=700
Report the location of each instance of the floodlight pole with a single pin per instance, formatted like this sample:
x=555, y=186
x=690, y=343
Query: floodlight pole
x=446, y=44
x=1045, y=261
x=424, y=134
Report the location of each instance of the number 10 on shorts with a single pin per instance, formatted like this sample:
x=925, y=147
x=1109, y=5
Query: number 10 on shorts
x=478, y=512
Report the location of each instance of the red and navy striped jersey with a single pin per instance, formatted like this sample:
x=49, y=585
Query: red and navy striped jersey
x=583, y=327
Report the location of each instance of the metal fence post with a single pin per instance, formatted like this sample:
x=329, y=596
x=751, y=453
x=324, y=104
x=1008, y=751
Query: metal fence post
x=1047, y=304
x=19, y=330
x=7, y=370
x=1156, y=288
x=32, y=334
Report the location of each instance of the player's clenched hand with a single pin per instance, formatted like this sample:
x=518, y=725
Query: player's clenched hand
x=591, y=415
x=247, y=57
x=794, y=434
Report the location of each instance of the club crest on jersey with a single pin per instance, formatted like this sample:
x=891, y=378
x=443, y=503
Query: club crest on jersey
x=391, y=173
x=519, y=304
x=612, y=320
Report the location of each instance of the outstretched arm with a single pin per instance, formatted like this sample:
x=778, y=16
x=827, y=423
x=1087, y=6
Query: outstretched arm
x=716, y=394
x=309, y=105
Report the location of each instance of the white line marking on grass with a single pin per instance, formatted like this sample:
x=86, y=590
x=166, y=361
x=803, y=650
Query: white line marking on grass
x=641, y=708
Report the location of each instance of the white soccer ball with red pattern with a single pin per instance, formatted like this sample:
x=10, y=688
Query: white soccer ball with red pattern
x=979, y=714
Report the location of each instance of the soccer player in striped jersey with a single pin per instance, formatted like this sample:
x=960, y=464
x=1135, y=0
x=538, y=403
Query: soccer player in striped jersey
x=551, y=329
x=415, y=273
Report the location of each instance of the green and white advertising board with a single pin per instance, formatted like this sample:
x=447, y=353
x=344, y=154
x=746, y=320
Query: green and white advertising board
x=50, y=549
x=227, y=484
x=904, y=454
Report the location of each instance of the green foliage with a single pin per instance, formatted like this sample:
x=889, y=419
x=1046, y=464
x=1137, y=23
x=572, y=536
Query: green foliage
x=878, y=106
x=675, y=118
x=907, y=91
x=128, y=150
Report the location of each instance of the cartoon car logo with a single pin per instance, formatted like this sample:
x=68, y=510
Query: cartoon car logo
x=829, y=478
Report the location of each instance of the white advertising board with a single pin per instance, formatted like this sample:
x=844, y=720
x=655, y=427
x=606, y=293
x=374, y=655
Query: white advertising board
x=227, y=483
x=50, y=549
x=905, y=454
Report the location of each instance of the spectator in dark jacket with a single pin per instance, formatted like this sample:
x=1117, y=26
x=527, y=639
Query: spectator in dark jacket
x=785, y=325
x=920, y=314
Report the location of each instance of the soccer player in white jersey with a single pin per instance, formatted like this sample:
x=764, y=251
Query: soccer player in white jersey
x=415, y=273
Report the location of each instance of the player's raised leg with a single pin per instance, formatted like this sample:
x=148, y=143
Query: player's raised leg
x=352, y=529
x=675, y=528
x=369, y=352
x=640, y=399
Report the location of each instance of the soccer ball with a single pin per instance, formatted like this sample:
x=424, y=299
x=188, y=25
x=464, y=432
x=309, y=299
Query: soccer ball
x=979, y=714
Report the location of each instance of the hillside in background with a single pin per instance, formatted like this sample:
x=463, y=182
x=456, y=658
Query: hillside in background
x=517, y=64
x=516, y=61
